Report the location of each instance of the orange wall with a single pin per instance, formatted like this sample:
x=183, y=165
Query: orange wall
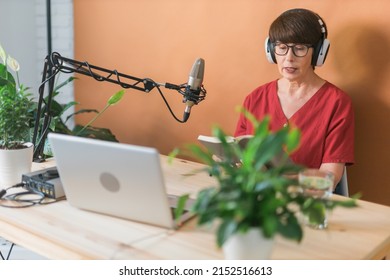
x=161, y=40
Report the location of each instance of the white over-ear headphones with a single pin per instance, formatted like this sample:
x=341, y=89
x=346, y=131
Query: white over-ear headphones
x=269, y=50
x=320, y=49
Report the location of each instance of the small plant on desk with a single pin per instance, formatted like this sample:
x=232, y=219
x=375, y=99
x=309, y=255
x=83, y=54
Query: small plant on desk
x=254, y=194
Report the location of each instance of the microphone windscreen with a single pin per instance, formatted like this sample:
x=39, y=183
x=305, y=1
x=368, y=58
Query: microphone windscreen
x=196, y=75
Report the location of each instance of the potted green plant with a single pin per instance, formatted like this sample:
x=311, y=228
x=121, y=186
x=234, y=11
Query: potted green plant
x=253, y=199
x=15, y=117
x=18, y=112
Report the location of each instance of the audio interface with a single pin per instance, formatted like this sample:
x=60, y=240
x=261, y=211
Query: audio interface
x=46, y=181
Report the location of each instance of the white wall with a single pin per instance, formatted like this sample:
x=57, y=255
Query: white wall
x=23, y=35
x=18, y=37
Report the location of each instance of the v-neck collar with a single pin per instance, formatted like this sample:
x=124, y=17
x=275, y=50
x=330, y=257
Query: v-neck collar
x=279, y=110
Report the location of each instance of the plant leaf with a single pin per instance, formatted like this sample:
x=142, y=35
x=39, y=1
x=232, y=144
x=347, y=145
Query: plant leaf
x=181, y=203
x=13, y=63
x=226, y=230
x=269, y=226
x=116, y=97
x=64, y=83
x=95, y=133
x=291, y=229
x=293, y=140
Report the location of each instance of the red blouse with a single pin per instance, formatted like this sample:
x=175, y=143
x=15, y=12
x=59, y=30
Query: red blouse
x=326, y=122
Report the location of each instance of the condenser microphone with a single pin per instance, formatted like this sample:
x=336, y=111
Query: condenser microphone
x=193, y=88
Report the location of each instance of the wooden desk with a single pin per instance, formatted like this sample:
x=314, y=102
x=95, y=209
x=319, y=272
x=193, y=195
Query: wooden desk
x=59, y=231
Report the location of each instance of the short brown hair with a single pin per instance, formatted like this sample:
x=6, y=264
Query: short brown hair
x=298, y=26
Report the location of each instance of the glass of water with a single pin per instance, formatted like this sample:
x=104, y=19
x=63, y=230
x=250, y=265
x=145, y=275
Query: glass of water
x=317, y=185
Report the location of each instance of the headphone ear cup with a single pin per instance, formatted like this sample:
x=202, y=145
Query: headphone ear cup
x=269, y=51
x=320, y=52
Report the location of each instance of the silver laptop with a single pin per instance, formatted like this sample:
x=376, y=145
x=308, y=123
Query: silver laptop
x=120, y=180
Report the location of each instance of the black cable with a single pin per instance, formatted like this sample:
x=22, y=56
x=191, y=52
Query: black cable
x=28, y=202
x=4, y=191
x=42, y=135
x=24, y=203
x=167, y=104
x=18, y=197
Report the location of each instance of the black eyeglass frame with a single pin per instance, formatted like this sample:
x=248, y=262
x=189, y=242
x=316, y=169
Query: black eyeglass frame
x=292, y=47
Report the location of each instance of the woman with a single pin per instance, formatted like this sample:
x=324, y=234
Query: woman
x=297, y=43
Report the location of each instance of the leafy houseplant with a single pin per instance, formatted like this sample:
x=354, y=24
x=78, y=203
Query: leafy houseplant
x=15, y=106
x=18, y=112
x=254, y=194
x=59, y=124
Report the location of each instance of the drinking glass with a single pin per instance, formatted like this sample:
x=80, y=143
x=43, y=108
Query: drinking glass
x=317, y=184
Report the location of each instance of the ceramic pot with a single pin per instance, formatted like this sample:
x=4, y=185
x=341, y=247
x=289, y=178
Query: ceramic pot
x=14, y=163
x=251, y=245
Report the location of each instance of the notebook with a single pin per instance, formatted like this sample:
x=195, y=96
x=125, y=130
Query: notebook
x=115, y=179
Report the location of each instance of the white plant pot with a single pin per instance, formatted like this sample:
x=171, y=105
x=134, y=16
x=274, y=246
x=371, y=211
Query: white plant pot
x=251, y=245
x=14, y=163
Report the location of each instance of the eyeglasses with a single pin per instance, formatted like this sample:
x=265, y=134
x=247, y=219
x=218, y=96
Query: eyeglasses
x=299, y=50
